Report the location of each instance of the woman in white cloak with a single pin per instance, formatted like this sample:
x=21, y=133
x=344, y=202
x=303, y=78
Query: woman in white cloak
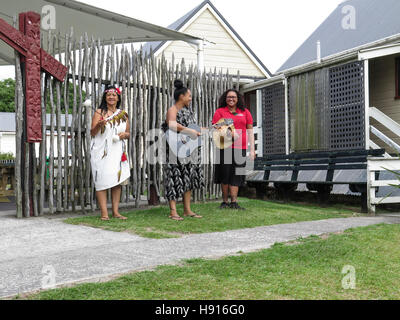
x=108, y=151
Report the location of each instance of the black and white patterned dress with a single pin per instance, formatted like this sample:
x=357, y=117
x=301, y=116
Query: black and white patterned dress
x=181, y=175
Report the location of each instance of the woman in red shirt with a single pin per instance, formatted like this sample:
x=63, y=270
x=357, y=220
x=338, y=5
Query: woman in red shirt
x=231, y=162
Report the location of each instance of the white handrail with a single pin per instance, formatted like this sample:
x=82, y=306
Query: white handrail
x=385, y=120
x=385, y=138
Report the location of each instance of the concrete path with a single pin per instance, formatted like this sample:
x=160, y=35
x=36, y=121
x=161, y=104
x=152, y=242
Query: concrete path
x=32, y=249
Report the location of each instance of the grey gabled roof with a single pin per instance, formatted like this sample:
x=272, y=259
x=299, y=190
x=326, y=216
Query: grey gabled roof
x=178, y=24
x=375, y=20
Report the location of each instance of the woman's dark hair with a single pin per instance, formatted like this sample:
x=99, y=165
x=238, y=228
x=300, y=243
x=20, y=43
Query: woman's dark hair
x=179, y=89
x=240, y=102
x=103, y=105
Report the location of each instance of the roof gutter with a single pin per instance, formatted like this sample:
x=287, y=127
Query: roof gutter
x=330, y=60
x=344, y=56
x=351, y=54
x=263, y=83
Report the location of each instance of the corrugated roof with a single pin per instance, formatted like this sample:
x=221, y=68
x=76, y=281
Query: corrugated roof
x=178, y=24
x=374, y=20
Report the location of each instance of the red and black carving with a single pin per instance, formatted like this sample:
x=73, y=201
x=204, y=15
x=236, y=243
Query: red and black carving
x=31, y=23
x=27, y=42
x=52, y=66
x=13, y=37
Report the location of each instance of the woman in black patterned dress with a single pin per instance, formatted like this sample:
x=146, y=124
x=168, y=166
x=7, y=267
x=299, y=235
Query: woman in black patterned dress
x=181, y=177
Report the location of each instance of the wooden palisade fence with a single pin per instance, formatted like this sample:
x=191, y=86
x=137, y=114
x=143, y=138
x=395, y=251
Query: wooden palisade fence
x=64, y=183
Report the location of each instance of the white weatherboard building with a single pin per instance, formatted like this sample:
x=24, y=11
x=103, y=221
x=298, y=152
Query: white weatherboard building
x=223, y=47
x=346, y=75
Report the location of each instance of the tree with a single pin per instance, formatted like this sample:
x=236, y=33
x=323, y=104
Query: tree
x=70, y=98
x=7, y=94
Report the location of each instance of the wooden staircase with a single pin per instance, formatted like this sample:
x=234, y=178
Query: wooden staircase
x=388, y=164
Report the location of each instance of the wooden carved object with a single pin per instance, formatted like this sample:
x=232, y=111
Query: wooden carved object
x=27, y=42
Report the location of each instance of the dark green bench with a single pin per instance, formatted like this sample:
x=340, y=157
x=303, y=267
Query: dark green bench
x=313, y=161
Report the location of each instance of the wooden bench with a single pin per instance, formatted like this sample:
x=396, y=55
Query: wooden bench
x=314, y=161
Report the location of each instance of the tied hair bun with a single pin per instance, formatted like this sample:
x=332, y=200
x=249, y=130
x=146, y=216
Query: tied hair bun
x=178, y=84
x=179, y=89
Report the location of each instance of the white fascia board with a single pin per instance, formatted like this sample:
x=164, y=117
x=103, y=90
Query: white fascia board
x=241, y=45
x=187, y=24
x=242, y=81
x=263, y=83
x=184, y=27
x=328, y=61
x=379, y=52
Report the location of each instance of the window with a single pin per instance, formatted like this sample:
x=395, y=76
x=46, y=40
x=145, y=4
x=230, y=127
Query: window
x=397, y=78
x=250, y=99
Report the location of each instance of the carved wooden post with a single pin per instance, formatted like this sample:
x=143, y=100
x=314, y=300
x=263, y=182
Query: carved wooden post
x=29, y=25
x=26, y=42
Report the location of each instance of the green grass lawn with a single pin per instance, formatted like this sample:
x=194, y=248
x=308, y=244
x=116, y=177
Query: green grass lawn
x=154, y=222
x=305, y=269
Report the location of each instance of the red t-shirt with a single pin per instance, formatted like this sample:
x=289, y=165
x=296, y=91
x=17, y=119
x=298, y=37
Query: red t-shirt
x=240, y=121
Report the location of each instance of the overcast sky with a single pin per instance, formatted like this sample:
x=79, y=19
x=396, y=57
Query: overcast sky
x=273, y=29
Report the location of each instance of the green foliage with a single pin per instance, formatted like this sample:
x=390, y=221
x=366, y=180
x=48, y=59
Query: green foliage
x=6, y=156
x=7, y=93
x=70, y=98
